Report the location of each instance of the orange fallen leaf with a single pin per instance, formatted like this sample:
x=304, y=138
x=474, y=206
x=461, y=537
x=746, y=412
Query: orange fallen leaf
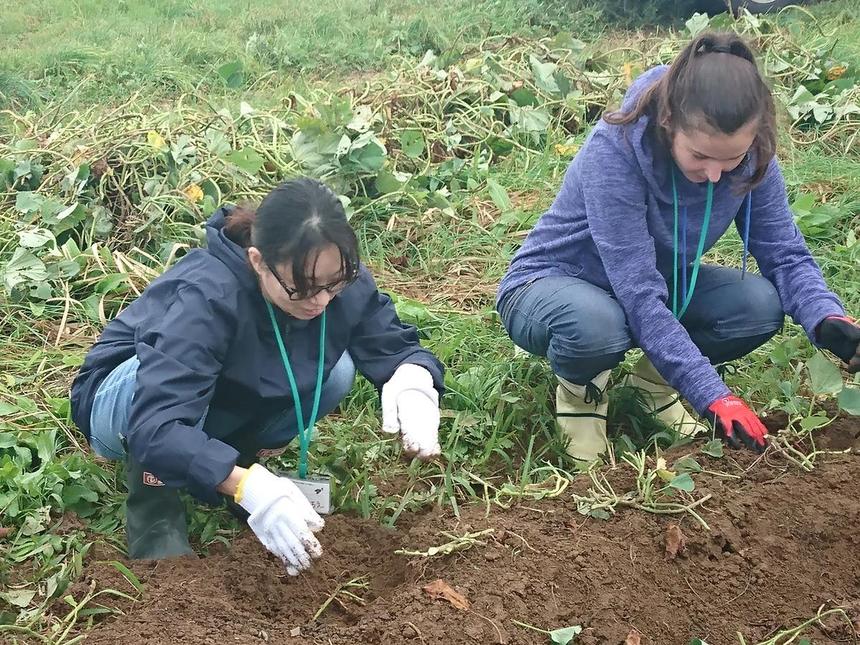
x=675, y=541
x=836, y=72
x=441, y=590
x=633, y=638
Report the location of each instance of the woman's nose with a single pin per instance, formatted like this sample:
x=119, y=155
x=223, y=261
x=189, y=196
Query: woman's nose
x=714, y=172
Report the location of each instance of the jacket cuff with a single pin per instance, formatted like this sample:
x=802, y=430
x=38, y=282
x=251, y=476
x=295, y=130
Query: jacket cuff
x=209, y=468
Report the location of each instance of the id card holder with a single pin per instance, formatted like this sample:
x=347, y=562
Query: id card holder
x=317, y=490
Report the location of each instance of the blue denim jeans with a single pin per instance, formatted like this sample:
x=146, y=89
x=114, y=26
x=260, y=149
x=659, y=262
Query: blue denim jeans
x=583, y=331
x=112, y=405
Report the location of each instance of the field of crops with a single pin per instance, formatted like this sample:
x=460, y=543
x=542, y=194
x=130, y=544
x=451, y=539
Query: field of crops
x=446, y=129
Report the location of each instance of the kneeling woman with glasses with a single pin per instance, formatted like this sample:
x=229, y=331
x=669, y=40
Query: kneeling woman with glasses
x=238, y=349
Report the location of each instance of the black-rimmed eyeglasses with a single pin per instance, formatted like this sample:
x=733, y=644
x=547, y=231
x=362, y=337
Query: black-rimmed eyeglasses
x=294, y=294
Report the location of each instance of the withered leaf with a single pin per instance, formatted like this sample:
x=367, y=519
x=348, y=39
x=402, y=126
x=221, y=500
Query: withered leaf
x=675, y=542
x=441, y=590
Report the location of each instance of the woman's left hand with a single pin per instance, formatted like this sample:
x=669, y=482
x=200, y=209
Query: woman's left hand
x=410, y=406
x=841, y=335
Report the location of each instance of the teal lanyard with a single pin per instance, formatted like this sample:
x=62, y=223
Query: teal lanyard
x=688, y=296
x=305, y=432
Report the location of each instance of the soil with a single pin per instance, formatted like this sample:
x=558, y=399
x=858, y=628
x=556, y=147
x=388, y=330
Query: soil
x=782, y=544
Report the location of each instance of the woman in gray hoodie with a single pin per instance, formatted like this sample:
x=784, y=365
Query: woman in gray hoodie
x=616, y=260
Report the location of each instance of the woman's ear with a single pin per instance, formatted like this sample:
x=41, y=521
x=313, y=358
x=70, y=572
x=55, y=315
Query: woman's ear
x=256, y=260
x=666, y=123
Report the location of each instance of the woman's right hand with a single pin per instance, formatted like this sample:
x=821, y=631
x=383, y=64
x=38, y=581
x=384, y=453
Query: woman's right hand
x=281, y=517
x=734, y=420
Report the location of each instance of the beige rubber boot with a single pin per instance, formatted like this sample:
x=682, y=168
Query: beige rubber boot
x=581, y=413
x=665, y=401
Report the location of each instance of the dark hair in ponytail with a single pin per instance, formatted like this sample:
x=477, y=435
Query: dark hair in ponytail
x=713, y=83
x=292, y=225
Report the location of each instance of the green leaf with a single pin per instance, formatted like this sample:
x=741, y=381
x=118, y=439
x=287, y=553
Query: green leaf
x=68, y=268
x=412, y=310
x=366, y=153
x=7, y=408
x=18, y=597
x=825, y=377
x=683, y=482
x=388, y=182
x=687, y=465
x=7, y=439
x=315, y=152
x=523, y=97
x=544, y=75
x=23, y=267
x=91, y=307
x=849, y=400
x=599, y=514
x=129, y=575
x=530, y=120
x=110, y=283
x=813, y=422
x=697, y=641
x=74, y=493
x=564, y=635
x=28, y=202
x=804, y=203
x=499, y=196
x=713, y=448
x=412, y=143
x=362, y=118
x=46, y=446
x=246, y=159
x=232, y=74
x=563, y=40
x=34, y=238
x=697, y=23
x=34, y=523
x=216, y=142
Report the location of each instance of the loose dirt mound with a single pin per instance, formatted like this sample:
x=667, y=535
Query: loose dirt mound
x=782, y=544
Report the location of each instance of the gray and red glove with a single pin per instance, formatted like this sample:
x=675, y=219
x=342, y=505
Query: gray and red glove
x=734, y=420
x=841, y=335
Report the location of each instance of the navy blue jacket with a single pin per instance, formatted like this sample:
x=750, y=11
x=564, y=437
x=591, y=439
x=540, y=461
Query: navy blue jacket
x=203, y=337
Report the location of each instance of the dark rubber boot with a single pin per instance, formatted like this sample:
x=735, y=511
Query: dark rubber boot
x=154, y=518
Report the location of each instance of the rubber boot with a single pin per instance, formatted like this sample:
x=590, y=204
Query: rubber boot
x=581, y=414
x=665, y=402
x=154, y=517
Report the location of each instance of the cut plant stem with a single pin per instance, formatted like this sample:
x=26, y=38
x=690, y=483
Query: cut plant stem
x=457, y=543
x=360, y=582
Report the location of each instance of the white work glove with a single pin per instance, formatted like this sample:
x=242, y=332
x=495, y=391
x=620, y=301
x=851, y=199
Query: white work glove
x=410, y=406
x=281, y=517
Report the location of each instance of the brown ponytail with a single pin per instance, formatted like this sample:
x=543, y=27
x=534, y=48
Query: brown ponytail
x=713, y=83
x=238, y=224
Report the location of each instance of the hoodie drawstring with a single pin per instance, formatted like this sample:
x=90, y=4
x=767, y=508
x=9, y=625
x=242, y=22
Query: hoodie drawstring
x=687, y=294
x=746, y=234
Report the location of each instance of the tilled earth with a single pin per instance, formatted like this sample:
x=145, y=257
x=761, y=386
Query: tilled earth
x=782, y=545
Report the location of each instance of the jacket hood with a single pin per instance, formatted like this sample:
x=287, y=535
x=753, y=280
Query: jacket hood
x=228, y=252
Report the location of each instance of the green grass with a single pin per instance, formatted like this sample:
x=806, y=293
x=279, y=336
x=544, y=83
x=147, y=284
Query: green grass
x=106, y=51
x=114, y=107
